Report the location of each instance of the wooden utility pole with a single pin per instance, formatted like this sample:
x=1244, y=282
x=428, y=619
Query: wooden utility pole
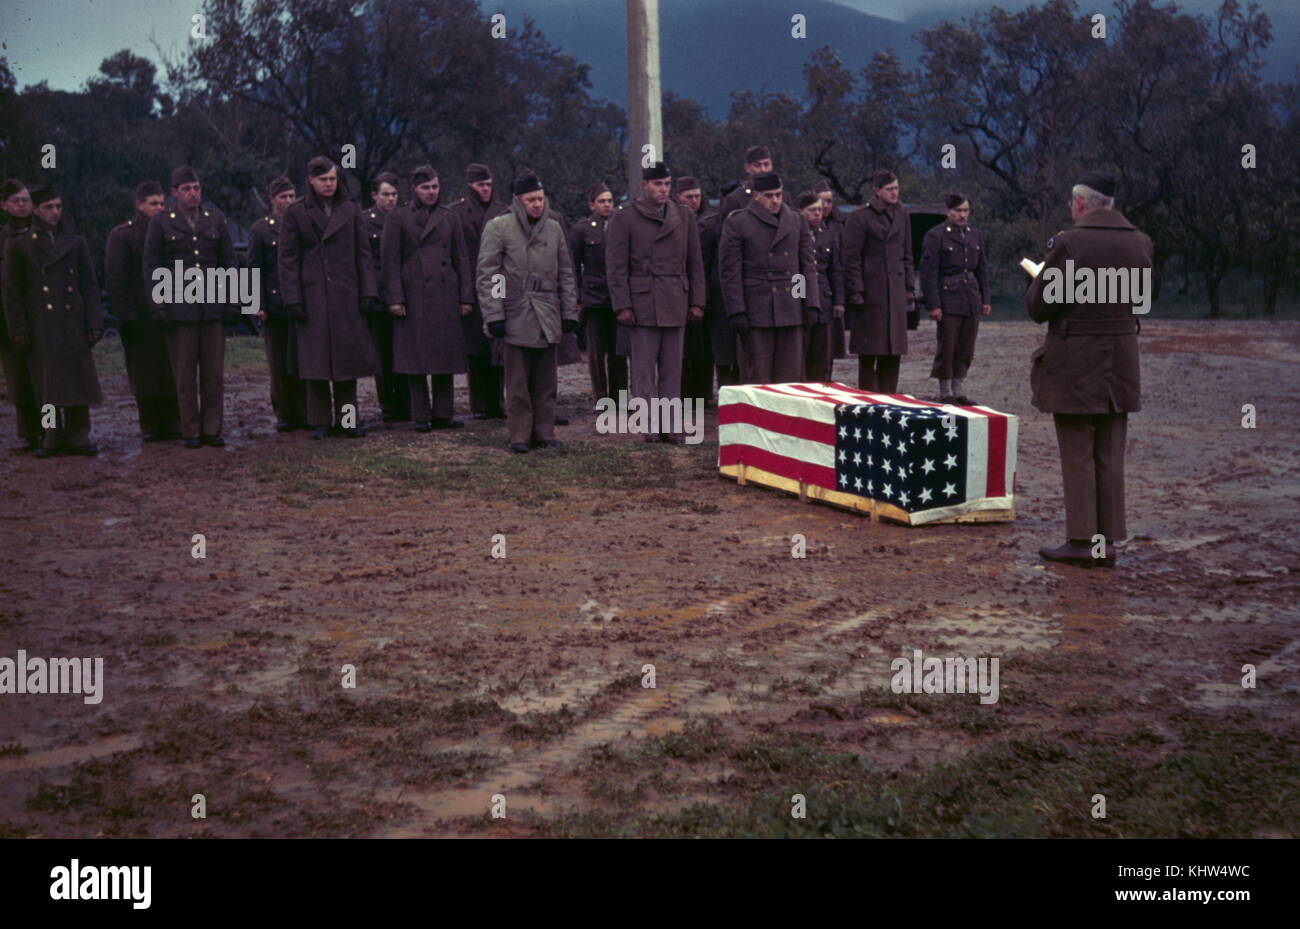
x=644, y=99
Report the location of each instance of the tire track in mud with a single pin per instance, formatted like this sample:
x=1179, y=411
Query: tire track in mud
x=644, y=713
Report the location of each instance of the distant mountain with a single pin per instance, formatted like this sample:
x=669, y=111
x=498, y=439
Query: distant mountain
x=712, y=47
x=709, y=48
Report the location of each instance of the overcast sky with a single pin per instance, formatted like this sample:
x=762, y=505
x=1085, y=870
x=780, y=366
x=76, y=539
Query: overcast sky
x=63, y=41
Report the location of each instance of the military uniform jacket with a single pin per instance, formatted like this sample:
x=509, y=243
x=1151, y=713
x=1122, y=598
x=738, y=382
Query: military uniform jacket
x=1088, y=362
x=264, y=254
x=877, y=252
x=124, y=271
x=830, y=270
x=51, y=299
x=738, y=199
x=148, y=365
x=474, y=215
x=9, y=227
x=722, y=340
x=375, y=219
x=540, y=291
x=758, y=257
x=325, y=268
x=427, y=270
x=587, y=242
x=954, y=272
x=207, y=245
x=653, y=264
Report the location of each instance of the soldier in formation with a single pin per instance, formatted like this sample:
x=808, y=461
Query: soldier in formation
x=328, y=285
x=53, y=314
x=16, y=203
x=192, y=236
x=769, y=283
x=955, y=281
x=656, y=283
x=288, y=393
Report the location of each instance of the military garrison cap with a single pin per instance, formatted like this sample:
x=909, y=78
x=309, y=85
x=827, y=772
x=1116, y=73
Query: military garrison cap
x=422, y=175
x=656, y=172
x=1104, y=184
x=525, y=184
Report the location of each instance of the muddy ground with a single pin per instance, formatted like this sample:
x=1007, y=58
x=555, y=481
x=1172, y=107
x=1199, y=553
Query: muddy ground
x=522, y=676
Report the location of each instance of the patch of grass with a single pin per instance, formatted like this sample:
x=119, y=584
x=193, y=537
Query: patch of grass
x=245, y=354
x=798, y=685
x=616, y=791
x=1222, y=783
x=188, y=732
x=255, y=636
x=541, y=477
x=542, y=727
x=408, y=760
x=696, y=742
x=107, y=789
x=12, y=750
x=250, y=804
x=291, y=474
x=154, y=639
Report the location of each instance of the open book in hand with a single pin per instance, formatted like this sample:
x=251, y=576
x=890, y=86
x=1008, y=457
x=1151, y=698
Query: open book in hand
x=1032, y=268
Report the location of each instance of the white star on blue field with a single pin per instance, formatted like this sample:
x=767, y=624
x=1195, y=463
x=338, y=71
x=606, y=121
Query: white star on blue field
x=916, y=461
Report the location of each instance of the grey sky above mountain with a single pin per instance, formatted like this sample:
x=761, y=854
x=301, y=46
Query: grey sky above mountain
x=710, y=47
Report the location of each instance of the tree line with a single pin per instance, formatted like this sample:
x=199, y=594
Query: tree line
x=1007, y=107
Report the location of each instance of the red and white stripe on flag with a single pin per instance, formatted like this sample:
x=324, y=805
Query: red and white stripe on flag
x=789, y=430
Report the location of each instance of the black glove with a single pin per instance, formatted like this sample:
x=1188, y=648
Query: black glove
x=569, y=325
x=497, y=328
x=375, y=305
x=811, y=316
x=739, y=323
x=296, y=311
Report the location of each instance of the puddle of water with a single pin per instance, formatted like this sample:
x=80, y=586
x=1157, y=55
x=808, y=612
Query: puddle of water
x=1222, y=696
x=274, y=678
x=593, y=610
x=725, y=605
x=657, y=727
x=1202, y=614
x=893, y=719
x=988, y=629
x=571, y=688
x=70, y=754
x=717, y=703
x=656, y=707
x=1269, y=680
x=1187, y=543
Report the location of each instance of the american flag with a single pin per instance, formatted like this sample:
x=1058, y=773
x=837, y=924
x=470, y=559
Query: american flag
x=901, y=457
